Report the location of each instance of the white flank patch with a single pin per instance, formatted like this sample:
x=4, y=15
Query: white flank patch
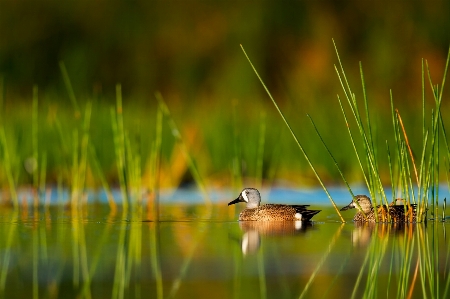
x=298, y=225
x=244, y=196
x=298, y=216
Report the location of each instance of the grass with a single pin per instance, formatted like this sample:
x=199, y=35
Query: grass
x=427, y=183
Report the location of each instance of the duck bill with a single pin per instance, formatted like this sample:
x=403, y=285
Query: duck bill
x=239, y=199
x=348, y=207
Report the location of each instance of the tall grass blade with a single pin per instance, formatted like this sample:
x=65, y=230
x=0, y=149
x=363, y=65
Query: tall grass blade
x=236, y=166
x=69, y=88
x=407, y=144
x=190, y=161
x=153, y=202
x=99, y=174
x=34, y=136
x=260, y=151
x=119, y=146
x=332, y=157
x=294, y=136
x=7, y=164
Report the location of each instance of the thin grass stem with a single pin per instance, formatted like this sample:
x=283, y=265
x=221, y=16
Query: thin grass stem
x=190, y=161
x=68, y=84
x=294, y=136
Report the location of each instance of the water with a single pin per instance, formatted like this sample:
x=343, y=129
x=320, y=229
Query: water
x=196, y=252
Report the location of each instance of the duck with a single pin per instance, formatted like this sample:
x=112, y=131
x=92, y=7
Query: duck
x=392, y=213
x=270, y=212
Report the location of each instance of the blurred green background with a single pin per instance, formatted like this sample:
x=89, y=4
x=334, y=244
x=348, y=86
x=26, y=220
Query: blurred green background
x=189, y=51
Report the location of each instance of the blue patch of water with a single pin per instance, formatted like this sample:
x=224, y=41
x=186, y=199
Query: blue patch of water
x=311, y=196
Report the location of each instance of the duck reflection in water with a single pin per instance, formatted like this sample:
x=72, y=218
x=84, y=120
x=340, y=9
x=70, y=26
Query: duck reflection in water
x=253, y=230
x=363, y=232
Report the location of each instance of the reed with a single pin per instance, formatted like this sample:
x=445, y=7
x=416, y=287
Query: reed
x=69, y=88
x=35, y=147
x=369, y=163
x=119, y=147
x=7, y=159
x=190, y=161
x=260, y=151
x=100, y=175
x=426, y=175
x=155, y=162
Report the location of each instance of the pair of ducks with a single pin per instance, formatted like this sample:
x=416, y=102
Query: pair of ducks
x=278, y=212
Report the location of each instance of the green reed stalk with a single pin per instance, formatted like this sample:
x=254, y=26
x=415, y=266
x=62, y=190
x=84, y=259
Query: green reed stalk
x=133, y=172
x=7, y=164
x=260, y=151
x=99, y=174
x=391, y=172
x=34, y=136
x=85, y=145
x=237, y=155
x=75, y=171
x=374, y=180
x=294, y=136
x=43, y=174
x=69, y=88
x=190, y=161
x=356, y=152
x=155, y=166
x=397, y=142
x=2, y=95
x=119, y=145
x=332, y=157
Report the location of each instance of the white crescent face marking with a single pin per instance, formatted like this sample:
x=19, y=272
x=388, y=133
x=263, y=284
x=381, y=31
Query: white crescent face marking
x=244, y=196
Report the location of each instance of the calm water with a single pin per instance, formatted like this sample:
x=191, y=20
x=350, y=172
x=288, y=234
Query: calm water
x=196, y=252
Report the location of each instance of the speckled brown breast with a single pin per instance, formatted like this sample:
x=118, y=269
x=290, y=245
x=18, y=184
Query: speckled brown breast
x=276, y=212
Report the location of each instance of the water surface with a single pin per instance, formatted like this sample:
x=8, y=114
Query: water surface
x=200, y=252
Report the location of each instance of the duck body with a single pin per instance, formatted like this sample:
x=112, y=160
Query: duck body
x=384, y=213
x=278, y=212
x=270, y=212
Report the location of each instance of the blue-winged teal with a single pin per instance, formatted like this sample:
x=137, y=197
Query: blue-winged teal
x=270, y=212
x=391, y=213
